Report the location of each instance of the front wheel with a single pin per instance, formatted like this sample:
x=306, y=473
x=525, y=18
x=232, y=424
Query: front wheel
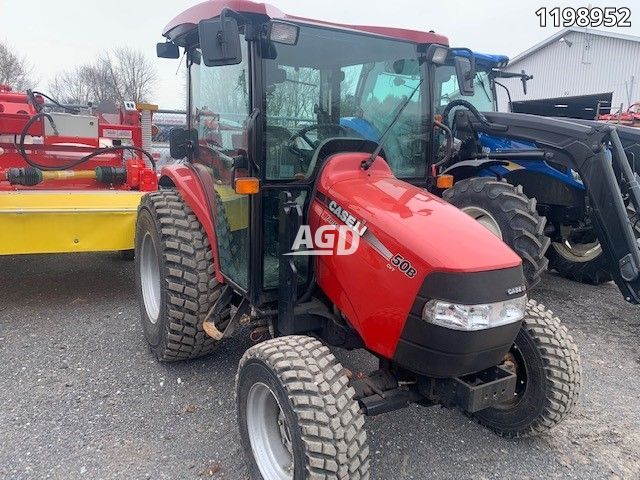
x=578, y=255
x=297, y=415
x=549, y=375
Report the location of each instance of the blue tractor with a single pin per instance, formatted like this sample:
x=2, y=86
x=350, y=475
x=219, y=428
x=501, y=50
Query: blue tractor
x=500, y=206
x=560, y=195
x=508, y=171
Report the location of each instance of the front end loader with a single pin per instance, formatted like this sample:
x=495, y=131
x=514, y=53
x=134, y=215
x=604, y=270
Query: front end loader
x=599, y=159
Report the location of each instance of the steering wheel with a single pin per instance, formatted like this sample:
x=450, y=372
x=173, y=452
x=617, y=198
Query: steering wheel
x=302, y=134
x=469, y=106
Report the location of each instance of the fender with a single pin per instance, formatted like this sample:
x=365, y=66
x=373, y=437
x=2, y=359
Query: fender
x=469, y=168
x=191, y=181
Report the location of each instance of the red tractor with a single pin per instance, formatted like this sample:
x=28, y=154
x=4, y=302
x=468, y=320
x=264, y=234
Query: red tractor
x=285, y=224
x=71, y=180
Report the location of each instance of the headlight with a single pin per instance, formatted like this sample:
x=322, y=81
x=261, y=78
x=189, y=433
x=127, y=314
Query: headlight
x=474, y=317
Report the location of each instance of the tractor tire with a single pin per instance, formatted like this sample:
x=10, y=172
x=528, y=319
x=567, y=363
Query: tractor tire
x=508, y=213
x=297, y=415
x=584, y=265
x=547, y=364
x=593, y=271
x=174, y=277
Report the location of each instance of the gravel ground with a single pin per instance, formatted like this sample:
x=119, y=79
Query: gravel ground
x=81, y=397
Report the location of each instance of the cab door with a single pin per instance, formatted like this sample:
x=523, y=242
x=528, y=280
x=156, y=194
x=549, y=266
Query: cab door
x=219, y=110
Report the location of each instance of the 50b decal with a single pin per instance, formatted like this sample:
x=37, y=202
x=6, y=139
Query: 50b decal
x=402, y=264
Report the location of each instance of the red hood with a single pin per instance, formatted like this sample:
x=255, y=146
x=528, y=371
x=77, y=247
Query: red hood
x=407, y=219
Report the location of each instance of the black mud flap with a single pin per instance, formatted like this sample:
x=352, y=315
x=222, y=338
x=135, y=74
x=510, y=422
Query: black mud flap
x=596, y=152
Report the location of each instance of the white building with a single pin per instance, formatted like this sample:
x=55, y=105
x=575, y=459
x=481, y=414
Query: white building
x=575, y=71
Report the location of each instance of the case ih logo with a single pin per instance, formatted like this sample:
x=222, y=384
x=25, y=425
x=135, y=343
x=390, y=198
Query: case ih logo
x=347, y=218
x=330, y=239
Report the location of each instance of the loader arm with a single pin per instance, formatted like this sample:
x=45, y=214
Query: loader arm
x=629, y=136
x=596, y=152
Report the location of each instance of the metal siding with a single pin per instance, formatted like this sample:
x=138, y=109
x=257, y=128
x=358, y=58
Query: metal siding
x=561, y=71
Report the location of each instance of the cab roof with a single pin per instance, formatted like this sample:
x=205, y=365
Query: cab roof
x=190, y=18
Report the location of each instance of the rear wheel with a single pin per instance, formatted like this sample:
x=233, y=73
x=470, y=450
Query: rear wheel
x=510, y=215
x=549, y=377
x=297, y=415
x=174, y=277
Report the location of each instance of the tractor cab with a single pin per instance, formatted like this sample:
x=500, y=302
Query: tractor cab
x=265, y=101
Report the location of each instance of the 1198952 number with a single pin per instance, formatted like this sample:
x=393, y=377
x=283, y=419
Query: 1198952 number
x=584, y=17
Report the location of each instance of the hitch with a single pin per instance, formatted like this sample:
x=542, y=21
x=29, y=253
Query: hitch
x=384, y=391
x=477, y=391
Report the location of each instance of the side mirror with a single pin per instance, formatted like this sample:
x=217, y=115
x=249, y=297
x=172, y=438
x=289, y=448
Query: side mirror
x=167, y=50
x=182, y=142
x=465, y=71
x=220, y=41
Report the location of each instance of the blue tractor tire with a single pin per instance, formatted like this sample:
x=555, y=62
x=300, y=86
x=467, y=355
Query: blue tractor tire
x=584, y=262
x=506, y=211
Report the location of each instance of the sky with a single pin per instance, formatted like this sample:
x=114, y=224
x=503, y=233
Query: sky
x=55, y=35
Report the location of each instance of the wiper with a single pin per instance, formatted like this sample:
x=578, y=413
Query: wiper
x=366, y=165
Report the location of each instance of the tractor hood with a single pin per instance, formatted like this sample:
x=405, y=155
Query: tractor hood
x=411, y=245
x=410, y=221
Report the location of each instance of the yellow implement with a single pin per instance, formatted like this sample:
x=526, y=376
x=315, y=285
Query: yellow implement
x=67, y=221
x=236, y=207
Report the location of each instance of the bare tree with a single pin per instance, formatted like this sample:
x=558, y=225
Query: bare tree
x=119, y=75
x=73, y=86
x=14, y=69
x=135, y=74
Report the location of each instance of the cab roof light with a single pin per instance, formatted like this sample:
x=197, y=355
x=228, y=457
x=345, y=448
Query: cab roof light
x=285, y=33
x=437, y=54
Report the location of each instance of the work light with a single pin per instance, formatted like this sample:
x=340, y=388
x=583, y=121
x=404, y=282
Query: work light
x=437, y=54
x=474, y=317
x=285, y=33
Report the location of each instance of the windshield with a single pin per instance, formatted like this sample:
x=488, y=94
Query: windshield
x=447, y=89
x=333, y=84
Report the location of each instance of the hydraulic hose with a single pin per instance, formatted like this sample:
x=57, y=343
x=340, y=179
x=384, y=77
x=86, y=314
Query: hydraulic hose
x=469, y=106
x=449, y=148
x=99, y=151
x=55, y=102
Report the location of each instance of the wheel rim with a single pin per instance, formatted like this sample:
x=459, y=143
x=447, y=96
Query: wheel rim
x=269, y=434
x=485, y=219
x=578, y=252
x=514, y=362
x=150, y=278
